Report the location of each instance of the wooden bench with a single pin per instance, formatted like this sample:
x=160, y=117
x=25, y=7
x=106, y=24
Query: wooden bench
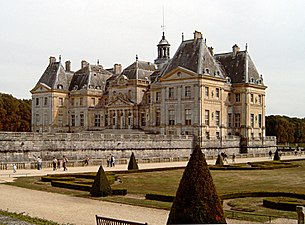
x=108, y=221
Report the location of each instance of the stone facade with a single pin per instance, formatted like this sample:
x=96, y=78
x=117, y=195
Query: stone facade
x=216, y=98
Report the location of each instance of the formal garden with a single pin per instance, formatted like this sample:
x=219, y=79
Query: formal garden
x=250, y=191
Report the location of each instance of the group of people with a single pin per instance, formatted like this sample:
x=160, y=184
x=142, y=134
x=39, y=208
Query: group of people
x=56, y=163
x=110, y=161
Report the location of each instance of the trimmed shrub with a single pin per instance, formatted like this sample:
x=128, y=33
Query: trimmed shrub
x=132, y=165
x=119, y=191
x=283, y=203
x=196, y=199
x=277, y=155
x=161, y=198
x=219, y=161
x=101, y=186
x=71, y=185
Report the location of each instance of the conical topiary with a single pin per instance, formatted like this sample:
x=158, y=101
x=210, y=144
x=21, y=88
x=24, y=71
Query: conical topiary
x=132, y=165
x=196, y=199
x=277, y=155
x=219, y=160
x=101, y=186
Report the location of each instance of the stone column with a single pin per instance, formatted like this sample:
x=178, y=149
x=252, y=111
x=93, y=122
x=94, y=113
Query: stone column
x=300, y=211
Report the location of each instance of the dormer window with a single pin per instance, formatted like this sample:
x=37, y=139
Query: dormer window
x=207, y=71
x=228, y=80
x=60, y=86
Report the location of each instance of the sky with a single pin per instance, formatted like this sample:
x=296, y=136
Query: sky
x=116, y=31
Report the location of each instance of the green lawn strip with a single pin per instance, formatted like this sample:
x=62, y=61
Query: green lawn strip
x=26, y=218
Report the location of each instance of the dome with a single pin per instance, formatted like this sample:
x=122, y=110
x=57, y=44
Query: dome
x=163, y=41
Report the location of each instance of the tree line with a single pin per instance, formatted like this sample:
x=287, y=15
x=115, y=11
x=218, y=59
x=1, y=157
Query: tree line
x=15, y=114
x=286, y=129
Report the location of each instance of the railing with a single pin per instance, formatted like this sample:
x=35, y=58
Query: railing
x=109, y=221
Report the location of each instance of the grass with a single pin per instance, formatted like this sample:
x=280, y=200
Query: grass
x=166, y=182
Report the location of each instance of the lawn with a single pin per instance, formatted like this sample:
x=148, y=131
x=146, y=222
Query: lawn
x=166, y=183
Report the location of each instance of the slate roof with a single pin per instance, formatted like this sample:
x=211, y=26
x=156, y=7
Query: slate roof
x=139, y=70
x=55, y=77
x=240, y=67
x=195, y=56
x=90, y=77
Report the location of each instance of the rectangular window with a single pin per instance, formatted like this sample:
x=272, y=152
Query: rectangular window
x=81, y=101
x=260, y=120
x=206, y=91
x=106, y=120
x=81, y=120
x=72, y=101
x=45, y=100
x=252, y=120
x=143, y=119
x=170, y=92
x=251, y=98
x=217, y=93
x=148, y=99
x=229, y=120
x=259, y=99
x=60, y=101
x=113, y=119
x=217, y=135
x=217, y=118
x=237, y=120
x=158, y=96
x=97, y=120
x=171, y=114
x=158, y=118
x=237, y=97
x=188, y=117
x=37, y=101
x=37, y=118
x=60, y=116
x=187, y=92
x=46, y=119
x=73, y=120
x=207, y=117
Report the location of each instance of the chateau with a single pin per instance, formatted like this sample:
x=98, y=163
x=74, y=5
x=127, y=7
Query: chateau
x=213, y=97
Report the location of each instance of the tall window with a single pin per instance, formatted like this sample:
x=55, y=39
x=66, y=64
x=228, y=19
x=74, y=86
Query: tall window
x=37, y=101
x=187, y=92
x=143, y=119
x=170, y=92
x=237, y=97
x=260, y=120
x=81, y=101
x=237, y=120
x=60, y=119
x=158, y=96
x=45, y=100
x=97, y=120
x=252, y=120
x=106, y=120
x=229, y=120
x=73, y=120
x=217, y=93
x=188, y=117
x=60, y=101
x=158, y=118
x=171, y=119
x=251, y=98
x=81, y=120
x=207, y=117
x=37, y=118
x=206, y=91
x=113, y=119
x=259, y=97
x=72, y=101
x=217, y=118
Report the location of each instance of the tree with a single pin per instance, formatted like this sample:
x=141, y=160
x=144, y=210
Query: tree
x=196, y=199
x=219, y=160
x=132, y=165
x=277, y=156
x=101, y=186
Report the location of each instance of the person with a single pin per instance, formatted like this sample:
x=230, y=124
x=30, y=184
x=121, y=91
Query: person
x=14, y=168
x=233, y=157
x=64, y=163
x=58, y=163
x=112, y=161
x=54, y=163
x=225, y=157
x=86, y=161
x=39, y=163
x=109, y=161
x=270, y=154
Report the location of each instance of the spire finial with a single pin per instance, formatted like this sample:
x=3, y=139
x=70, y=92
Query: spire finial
x=59, y=58
x=246, y=46
x=98, y=62
x=182, y=36
x=163, y=25
x=137, y=57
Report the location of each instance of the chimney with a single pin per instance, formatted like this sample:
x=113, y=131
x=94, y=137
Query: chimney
x=117, y=68
x=52, y=59
x=68, y=66
x=197, y=35
x=84, y=63
x=211, y=49
x=235, y=50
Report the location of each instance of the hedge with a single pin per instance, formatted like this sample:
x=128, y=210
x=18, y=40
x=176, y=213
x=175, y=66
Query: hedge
x=71, y=185
x=161, y=198
x=283, y=203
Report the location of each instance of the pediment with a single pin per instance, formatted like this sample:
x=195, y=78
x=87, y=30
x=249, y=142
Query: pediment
x=41, y=87
x=119, y=101
x=179, y=73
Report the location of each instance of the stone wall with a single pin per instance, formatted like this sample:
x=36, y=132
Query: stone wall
x=26, y=146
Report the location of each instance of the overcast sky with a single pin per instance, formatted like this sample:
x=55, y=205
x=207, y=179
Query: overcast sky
x=114, y=31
